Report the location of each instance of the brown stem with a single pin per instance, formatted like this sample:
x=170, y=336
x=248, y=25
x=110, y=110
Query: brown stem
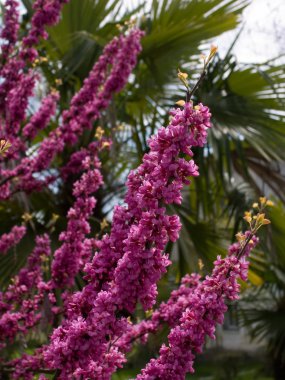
x=241, y=252
x=9, y=369
x=195, y=88
x=239, y=255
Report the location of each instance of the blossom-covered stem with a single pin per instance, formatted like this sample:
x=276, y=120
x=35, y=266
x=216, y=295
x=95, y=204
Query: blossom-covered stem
x=42, y=117
x=17, y=103
x=131, y=260
x=17, y=78
x=46, y=13
x=19, y=307
x=10, y=30
x=206, y=308
x=101, y=85
x=77, y=249
x=168, y=313
x=12, y=238
x=148, y=187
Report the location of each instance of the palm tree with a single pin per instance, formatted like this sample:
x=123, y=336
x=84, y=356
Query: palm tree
x=263, y=309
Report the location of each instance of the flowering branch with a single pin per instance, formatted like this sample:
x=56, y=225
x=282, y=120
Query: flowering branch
x=206, y=308
x=76, y=249
x=131, y=260
x=183, y=76
x=12, y=238
x=19, y=310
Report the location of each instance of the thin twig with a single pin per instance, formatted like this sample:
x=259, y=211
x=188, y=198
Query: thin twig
x=197, y=85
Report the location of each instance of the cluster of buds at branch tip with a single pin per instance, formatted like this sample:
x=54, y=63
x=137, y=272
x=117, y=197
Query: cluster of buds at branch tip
x=120, y=127
x=180, y=103
x=51, y=223
x=104, y=224
x=39, y=60
x=4, y=146
x=99, y=133
x=58, y=82
x=105, y=144
x=207, y=59
x=200, y=265
x=128, y=25
x=256, y=220
x=263, y=203
x=54, y=91
x=27, y=217
x=184, y=76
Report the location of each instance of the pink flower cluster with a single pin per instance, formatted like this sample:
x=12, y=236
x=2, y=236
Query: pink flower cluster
x=17, y=103
x=42, y=117
x=20, y=303
x=12, y=238
x=13, y=73
x=10, y=28
x=17, y=79
x=95, y=95
x=77, y=249
x=168, y=313
x=47, y=13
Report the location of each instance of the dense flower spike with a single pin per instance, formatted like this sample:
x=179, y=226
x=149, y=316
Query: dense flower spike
x=10, y=77
x=17, y=83
x=149, y=186
x=77, y=249
x=42, y=117
x=131, y=260
x=47, y=13
x=86, y=106
x=17, y=102
x=19, y=305
x=11, y=27
x=159, y=180
x=12, y=238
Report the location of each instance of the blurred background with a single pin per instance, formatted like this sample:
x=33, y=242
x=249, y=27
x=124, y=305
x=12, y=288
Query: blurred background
x=244, y=159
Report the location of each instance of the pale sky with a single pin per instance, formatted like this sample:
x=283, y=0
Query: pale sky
x=263, y=37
